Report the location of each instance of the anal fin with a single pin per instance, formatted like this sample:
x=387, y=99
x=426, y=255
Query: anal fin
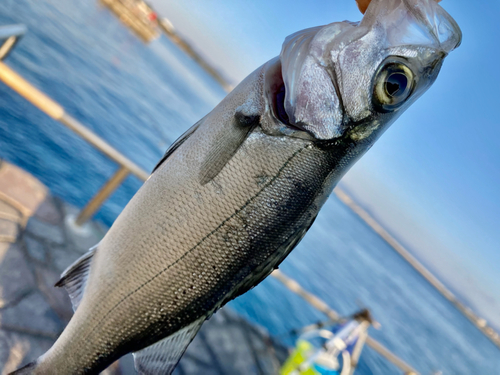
x=74, y=278
x=163, y=356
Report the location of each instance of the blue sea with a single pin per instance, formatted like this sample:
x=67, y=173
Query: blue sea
x=140, y=98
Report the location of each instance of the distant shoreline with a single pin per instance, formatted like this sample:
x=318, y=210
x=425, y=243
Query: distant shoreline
x=170, y=32
x=479, y=322
x=143, y=20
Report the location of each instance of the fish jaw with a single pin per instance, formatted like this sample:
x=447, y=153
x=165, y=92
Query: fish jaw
x=329, y=72
x=414, y=22
x=312, y=101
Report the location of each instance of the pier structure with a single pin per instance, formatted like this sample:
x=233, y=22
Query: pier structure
x=137, y=16
x=168, y=28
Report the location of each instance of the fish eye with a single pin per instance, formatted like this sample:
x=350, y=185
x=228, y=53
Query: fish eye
x=394, y=84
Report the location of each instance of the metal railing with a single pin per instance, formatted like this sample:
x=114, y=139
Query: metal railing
x=332, y=315
x=9, y=36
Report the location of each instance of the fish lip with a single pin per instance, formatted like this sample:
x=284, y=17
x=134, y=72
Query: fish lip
x=436, y=18
x=437, y=27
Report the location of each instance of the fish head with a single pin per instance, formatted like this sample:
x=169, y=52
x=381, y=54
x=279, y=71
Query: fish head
x=355, y=79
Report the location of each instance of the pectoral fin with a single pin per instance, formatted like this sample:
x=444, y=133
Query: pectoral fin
x=227, y=144
x=74, y=278
x=163, y=356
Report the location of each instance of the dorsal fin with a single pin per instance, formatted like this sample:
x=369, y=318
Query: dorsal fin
x=174, y=146
x=74, y=278
x=163, y=356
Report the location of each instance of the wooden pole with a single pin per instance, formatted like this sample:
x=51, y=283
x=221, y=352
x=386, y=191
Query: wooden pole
x=106, y=190
x=30, y=93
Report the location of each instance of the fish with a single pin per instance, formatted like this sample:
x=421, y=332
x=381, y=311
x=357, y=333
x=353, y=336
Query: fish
x=234, y=195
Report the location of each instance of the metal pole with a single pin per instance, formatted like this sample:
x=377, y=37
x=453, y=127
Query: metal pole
x=103, y=194
x=310, y=298
x=356, y=353
x=384, y=352
x=12, y=30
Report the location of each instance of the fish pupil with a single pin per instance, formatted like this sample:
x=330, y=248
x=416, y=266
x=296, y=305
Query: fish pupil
x=396, y=84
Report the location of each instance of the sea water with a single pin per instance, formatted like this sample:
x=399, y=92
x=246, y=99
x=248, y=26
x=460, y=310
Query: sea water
x=140, y=98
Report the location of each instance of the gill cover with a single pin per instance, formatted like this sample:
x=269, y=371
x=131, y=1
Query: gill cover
x=330, y=72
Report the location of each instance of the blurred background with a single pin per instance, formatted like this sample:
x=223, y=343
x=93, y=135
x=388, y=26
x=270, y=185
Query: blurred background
x=432, y=181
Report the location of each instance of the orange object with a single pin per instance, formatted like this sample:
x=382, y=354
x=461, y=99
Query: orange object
x=363, y=4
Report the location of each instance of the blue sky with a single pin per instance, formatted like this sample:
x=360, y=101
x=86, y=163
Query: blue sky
x=433, y=179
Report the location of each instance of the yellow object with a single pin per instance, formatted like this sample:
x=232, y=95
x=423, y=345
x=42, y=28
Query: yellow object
x=30, y=93
x=301, y=353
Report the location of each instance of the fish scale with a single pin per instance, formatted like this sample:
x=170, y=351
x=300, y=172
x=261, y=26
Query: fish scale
x=237, y=192
x=242, y=248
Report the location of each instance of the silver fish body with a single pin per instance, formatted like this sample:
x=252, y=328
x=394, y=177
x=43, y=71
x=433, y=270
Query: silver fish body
x=239, y=190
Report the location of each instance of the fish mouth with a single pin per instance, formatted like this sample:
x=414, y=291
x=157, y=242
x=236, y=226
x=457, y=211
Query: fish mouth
x=276, y=94
x=290, y=109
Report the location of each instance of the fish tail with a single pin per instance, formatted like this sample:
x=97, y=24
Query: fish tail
x=25, y=370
